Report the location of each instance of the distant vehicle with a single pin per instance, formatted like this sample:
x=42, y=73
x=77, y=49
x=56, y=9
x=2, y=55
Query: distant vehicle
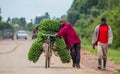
x=21, y=34
x=8, y=35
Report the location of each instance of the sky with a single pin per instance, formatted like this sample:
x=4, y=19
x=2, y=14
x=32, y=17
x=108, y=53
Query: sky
x=32, y=8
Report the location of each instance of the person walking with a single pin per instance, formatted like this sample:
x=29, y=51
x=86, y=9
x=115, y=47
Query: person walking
x=35, y=32
x=72, y=41
x=102, y=37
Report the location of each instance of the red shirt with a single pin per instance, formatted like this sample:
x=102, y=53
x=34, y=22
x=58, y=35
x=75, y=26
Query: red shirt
x=69, y=35
x=103, y=34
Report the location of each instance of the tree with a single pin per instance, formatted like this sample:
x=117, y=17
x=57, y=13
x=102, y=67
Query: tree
x=31, y=21
x=73, y=16
x=30, y=26
x=102, y=4
x=0, y=10
x=46, y=15
x=23, y=22
x=4, y=25
x=8, y=20
x=86, y=14
x=15, y=21
x=38, y=19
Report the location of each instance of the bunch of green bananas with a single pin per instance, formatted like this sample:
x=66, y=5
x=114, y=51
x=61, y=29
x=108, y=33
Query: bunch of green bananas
x=35, y=51
x=48, y=26
x=62, y=51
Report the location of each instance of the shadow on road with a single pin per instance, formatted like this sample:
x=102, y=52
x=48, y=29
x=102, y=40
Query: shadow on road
x=52, y=67
x=5, y=71
x=34, y=66
x=61, y=67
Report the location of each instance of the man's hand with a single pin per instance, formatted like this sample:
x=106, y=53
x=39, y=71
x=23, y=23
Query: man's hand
x=109, y=45
x=55, y=34
x=93, y=46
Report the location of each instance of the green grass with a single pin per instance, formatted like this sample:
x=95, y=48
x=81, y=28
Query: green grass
x=113, y=54
x=0, y=34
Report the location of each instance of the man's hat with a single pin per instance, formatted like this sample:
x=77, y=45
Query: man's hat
x=61, y=20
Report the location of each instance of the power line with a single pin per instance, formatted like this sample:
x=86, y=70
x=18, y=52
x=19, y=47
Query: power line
x=0, y=10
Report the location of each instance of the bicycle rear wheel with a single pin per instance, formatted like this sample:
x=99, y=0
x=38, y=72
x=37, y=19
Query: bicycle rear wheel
x=48, y=55
x=46, y=61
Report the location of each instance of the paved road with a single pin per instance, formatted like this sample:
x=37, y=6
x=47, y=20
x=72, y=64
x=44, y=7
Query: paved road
x=13, y=60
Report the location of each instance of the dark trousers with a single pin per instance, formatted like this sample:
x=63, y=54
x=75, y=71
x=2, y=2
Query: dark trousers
x=75, y=53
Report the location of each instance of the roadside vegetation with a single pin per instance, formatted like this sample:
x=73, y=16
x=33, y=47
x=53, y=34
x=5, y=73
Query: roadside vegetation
x=85, y=15
x=113, y=54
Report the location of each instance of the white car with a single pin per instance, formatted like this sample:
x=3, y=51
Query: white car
x=21, y=34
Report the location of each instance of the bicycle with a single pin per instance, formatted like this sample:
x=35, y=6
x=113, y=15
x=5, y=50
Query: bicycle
x=49, y=51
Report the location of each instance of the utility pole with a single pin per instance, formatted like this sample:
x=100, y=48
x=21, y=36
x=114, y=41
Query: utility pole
x=0, y=10
x=0, y=15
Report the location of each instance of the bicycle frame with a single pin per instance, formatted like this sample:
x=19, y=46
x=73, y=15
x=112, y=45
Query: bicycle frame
x=48, y=53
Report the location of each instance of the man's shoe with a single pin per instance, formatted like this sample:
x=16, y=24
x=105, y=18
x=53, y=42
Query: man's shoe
x=99, y=63
x=104, y=64
x=99, y=67
x=78, y=66
x=104, y=68
x=74, y=65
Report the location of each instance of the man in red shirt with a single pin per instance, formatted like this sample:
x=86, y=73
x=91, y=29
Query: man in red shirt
x=72, y=41
x=102, y=37
x=35, y=32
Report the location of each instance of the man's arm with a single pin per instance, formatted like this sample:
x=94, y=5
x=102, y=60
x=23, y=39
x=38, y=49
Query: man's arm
x=95, y=37
x=110, y=36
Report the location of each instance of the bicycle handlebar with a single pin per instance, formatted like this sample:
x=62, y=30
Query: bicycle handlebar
x=51, y=35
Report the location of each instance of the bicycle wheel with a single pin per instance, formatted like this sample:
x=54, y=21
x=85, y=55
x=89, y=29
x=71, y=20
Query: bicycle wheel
x=46, y=59
x=49, y=54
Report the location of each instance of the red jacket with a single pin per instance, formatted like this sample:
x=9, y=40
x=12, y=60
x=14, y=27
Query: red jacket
x=69, y=35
